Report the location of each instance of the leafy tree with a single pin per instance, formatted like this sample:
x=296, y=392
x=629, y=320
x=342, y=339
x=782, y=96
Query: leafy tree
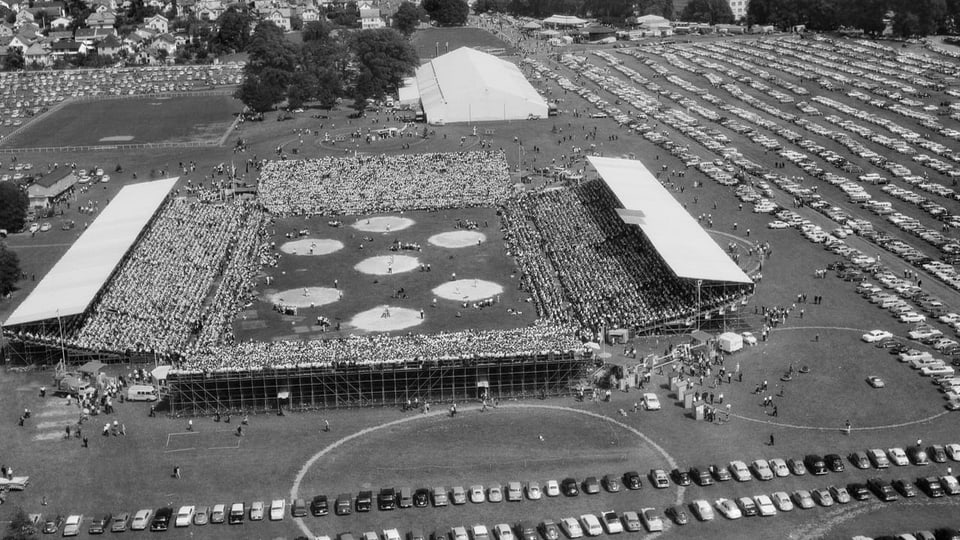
x=323, y=68
x=296, y=22
x=447, y=12
x=383, y=58
x=708, y=11
x=490, y=6
x=316, y=31
x=9, y=274
x=408, y=17
x=271, y=64
x=20, y=527
x=14, y=59
x=13, y=206
x=233, y=31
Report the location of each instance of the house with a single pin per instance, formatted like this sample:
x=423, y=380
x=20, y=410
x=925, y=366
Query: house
x=165, y=42
x=186, y=7
x=101, y=19
x=67, y=49
x=6, y=30
x=20, y=42
x=92, y=36
x=109, y=46
x=52, y=9
x=654, y=25
x=51, y=188
x=23, y=16
x=279, y=17
x=157, y=22
x=60, y=23
x=370, y=16
x=37, y=54
x=310, y=14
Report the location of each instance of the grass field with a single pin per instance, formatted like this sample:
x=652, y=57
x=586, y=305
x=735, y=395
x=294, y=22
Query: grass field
x=202, y=119
x=427, y=41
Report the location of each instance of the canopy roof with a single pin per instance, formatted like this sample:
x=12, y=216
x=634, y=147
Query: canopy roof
x=567, y=20
x=682, y=243
x=73, y=283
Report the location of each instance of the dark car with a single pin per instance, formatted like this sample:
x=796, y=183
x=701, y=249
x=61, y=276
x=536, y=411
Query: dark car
x=611, y=483
x=421, y=497
x=747, y=506
x=364, y=501
x=701, y=476
x=834, y=462
x=161, y=520
x=677, y=514
x=439, y=535
x=947, y=533
x=591, y=485
x=99, y=524
x=526, y=530
x=387, y=499
x=319, y=506
x=720, y=474
x=931, y=486
x=343, y=504
x=680, y=478
x=858, y=491
x=859, y=460
x=815, y=464
x=905, y=487
x=917, y=455
x=52, y=524
x=631, y=479
x=882, y=489
x=937, y=454
x=570, y=487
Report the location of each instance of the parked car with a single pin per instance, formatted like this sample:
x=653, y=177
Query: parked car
x=677, y=514
x=570, y=487
x=747, y=506
x=502, y=531
x=905, y=487
x=548, y=529
x=834, y=462
x=917, y=455
x=803, y=499
x=387, y=499
x=765, y=505
x=343, y=505
x=651, y=402
x=458, y=495
x=591, y=525
x=571, y=528
x=882, y=489
x=878, y=458
x=631, y=521
x=931, y=486
x=202, y=515
x=237, y=513
x=318, y=505
x=611, y=522
x=898, y=456
x=779, y=467
x=278, y=508
x=658, y=478
x=99, y=524
x=739, y=471
x=782, y=501
x=839, y=494
x=551, y=488
x=219, y=513
x=702, y=510
x=651, y=520
x=591, y=485
x=495, y=493
x=476, y=494
x=720, y=474
x=141, y=519
x=631, y=479
x=533, y=491
x=610, y=483
x=364, y=501
x=184, y=516
x=859, y=459
x=761, y=469
x=161, y=519
x=680, y=478
x=71, y=527
x=728, y=508
x=815, y=464
x=822, y=497
x=797, y=468
x=439, y=496
x=119, y=522
x=421, y=498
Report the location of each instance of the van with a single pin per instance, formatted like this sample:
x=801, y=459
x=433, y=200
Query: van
x=236, y=514
x=141, y=392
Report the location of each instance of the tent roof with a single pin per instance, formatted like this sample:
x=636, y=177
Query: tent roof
x=652, y=19
x=682, y=243
x=160, y=372
x=72, y=283
x=565, y=19
x=532, y=25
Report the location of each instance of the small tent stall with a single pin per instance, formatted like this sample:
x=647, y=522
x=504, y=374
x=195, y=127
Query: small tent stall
x=730, y=342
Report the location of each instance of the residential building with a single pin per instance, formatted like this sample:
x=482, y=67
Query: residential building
x=370, y=16
x=157, y=22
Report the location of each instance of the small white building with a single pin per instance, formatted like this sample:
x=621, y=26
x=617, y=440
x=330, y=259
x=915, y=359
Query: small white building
x=370, y=16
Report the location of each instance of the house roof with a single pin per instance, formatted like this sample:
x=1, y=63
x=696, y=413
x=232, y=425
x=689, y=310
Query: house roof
x=61, y=46
x=35, y=50
x=110, y=41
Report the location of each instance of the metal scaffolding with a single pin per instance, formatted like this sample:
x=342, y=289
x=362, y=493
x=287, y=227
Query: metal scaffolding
x=388, y=384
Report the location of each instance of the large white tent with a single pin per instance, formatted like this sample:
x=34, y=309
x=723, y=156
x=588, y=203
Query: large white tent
x=466, y=85
x=682, y=243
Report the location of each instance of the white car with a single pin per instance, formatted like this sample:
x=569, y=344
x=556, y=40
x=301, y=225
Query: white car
x=71, y=527
x=478, y=532
x=728, y=508
x=533, y=491
x=651, y=402
x=898, y=456
x=591, y=525
x=765, y=505
x=184, y=516
x=779, y=467
x=552, y=488
x=571, y=528
x=739, y=471
x=949, y=318
x=953, y=450
x=277, y=507
x=256, y=511
x=778, y=225
x=912, y=317
x=34, y=227
x=141, y=519
x=650, y=519
x=876, y=335
x=762, y=469
x=701, y=509
x=503, y=532
x=782, y=501
x=611, y=522
x=749, y=338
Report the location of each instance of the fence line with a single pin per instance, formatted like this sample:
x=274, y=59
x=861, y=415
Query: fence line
x=96, y=148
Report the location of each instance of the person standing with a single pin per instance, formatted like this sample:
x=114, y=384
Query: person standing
x=326, y=425
x=176, y=472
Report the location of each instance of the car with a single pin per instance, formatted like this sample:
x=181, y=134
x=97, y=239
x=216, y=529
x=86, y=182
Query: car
x=343, y=505
x=631, y=479
x=571, y=528
x=815, y=464
x=834, y=462
x=591, y=525
x=882, y=489
x=631, y=521
x=839, y=494
x=917, y=455
x=387, y=499
x=720, y=474
x=777, y=224
x=514, y=491
x=782, y=501
x=765, y=505
x=761, y=469
x=822, y=497
x=651, y=520
x=278, y=507
x=931, y=486
x=202, y=515
x=898, y=456
x=551, y=488
x=701, y=476
x=953, y=451
x=439, y=496
x=52, y=524
x=99, y=524
x=610, y=483
x=394, y=534
x=876, y=335
x=905, y=487
x=236, y=514
x=549, y=530
x=658, y=478
x=570, y=487
x=141, y=519
x=779, y=467
x=458, y=533
x=950, y=485
x=797, y=468
x=680, y=478
x=651, y=402
x=71, y=527
x=875, y=381
x=476, y=494
x=318, y=506
x=803, y=499
x=495, y=493
x=257, y=510
x=45, y=227
x=947, y=533
x=677, y=514
x=739, y=470
x=702, y=510
x=364, y=500
x=119, y=522
x=749, y=338
x=458, y=495
x=611, y=522
x=219, y=513
x=477, y=532
x=349, y=536
x=421, y=498
x=878, y=458
x=414, y=534
x=912, y=317
x=591, y=485
x=34, y=227
x=526, y=530
x=859, y=459
x=747, y=507
x=533, y=491
x=728, y=508
x=184, y=516
x=502, y=531
x=161, y=519
x=937, y=454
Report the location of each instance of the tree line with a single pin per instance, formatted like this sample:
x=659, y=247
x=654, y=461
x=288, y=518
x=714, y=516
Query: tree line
x=909, y=17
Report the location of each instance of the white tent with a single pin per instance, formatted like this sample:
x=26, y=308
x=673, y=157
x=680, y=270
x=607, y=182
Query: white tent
x=730, y=342
x=466, y=85
x=409, y=94
x=565, y=20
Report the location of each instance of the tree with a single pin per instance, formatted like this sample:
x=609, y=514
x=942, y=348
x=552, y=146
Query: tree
x=233, y=31
x=13, y=207
x=408, y=17
x=14, y=59
x=447, y=12
x=323, y=68
x=20, y=527
x=708, y=11
x=271, y=63
x=9, y=274
x=316, y=31
x=383, y=58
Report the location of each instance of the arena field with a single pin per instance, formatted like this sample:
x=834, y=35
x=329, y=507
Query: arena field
x=151, y=119
x=449, y=39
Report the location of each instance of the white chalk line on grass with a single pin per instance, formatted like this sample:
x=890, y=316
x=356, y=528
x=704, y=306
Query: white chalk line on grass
x=301, y=474
x=841, y=428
